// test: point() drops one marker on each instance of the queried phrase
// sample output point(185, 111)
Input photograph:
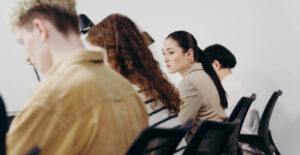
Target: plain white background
point(263, 35)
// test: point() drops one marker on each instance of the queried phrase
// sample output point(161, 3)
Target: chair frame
point(4, 127)
point(263, 140)
point(205, 126)
point(150, 133)
point(239, 112)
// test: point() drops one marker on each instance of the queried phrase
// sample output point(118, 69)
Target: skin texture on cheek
point(177, 62)
point(24, 38)
point(175, 58)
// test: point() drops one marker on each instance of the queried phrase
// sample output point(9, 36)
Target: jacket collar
point(84, 55)
point(194, 67)
point(76, 57)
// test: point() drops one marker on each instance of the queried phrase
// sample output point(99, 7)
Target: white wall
point(264, 36)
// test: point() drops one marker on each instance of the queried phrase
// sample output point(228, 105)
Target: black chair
point(85, 23)
point(3, 126)
point(158, 141)
point(263, 140)
point(210, 138)
point(148, 39)
point(239, 113)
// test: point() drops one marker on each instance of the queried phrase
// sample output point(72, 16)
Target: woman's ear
point(190, 54)
point(217, 65)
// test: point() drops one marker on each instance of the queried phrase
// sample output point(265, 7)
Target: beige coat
point(82, 107)
point(200, 97)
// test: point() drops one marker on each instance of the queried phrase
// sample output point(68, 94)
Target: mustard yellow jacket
point(82, 107)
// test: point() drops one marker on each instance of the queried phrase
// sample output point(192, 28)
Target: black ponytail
point(187, 41)
point(204, 60)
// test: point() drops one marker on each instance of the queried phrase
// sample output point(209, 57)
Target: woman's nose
point(166, 59)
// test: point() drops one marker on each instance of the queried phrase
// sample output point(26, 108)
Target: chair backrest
point(210, 138)
point(265, 118)
point(239, 112)
point(85, 23)
point(3, 126)
point(158, 141)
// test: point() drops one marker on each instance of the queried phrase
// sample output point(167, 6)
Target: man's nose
point(27, 59)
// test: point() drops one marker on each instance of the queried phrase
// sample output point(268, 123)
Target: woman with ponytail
point(200, 89)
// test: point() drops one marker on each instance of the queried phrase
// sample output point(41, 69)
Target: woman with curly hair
point(127, 52)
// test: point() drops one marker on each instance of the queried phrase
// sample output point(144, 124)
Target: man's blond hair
point(61, 13)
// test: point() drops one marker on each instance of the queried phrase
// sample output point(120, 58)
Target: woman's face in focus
point(175, 58)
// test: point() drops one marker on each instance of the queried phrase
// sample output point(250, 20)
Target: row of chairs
point(211, 138)
point(263, 140)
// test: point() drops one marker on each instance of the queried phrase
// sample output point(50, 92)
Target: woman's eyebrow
point(170, 48)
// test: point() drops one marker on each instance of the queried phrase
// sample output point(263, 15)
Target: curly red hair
point(128, 54)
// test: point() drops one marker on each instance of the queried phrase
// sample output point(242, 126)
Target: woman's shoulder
point(185, 82)
point(198, 81)
point(196, 77)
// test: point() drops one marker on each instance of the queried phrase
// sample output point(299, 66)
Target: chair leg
point(236, 150)
point(240, 150)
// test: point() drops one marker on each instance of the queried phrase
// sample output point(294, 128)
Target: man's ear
point(217, 65)
point(41, 28)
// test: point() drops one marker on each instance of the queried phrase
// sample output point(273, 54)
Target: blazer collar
point(194, 67)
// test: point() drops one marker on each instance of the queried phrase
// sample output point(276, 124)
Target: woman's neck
point(186, 68)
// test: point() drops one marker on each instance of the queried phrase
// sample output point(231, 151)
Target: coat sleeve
point(34, 126)
point(191, 101)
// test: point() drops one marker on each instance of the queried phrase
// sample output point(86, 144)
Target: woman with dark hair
point(127, 52)
point(223, 61)
point(200, 89)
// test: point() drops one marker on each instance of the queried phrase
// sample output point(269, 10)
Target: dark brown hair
point(128, 54)
point(222, 54)
point(63, 21)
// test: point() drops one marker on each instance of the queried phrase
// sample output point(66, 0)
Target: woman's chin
point(171, 72)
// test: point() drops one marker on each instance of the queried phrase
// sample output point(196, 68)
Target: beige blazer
point(200, 97)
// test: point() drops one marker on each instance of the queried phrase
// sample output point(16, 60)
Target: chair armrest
point(256, 141)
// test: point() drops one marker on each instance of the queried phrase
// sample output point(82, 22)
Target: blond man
point(82, 106)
